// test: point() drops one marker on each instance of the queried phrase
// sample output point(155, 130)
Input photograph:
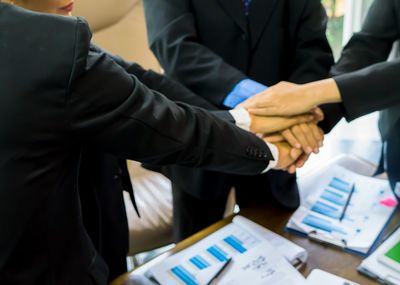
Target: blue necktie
point(246, 4)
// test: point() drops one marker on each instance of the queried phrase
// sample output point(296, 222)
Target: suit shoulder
point(46, 28)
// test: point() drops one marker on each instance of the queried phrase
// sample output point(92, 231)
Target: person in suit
point(59, 97)
point(364, 80)
point(227, 51)
point(103, 178)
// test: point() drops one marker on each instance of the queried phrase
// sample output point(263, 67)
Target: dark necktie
point(246, 4)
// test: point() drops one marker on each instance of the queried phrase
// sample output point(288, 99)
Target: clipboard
point(342, 243)
point(343, 209)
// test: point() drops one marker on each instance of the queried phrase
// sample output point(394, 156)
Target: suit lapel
point(260, 13)
point(235, 9)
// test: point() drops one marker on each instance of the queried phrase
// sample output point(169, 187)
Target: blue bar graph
point(199, 262)
point(218, 253)
point(235, 243)
point(340, 185)
point(334, 198)
point(326, 210)
point(322, 224)
point(184, 275)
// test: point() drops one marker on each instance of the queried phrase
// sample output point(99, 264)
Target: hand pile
point(287, 116)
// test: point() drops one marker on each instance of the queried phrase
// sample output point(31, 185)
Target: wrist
point(322, 92)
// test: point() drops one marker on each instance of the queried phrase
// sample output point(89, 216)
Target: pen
point(219, 272)
point(348, 202)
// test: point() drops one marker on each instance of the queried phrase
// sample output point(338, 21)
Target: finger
point(303, 119)
point(302, 139)
point(290, 138)
point(275, 138)
point(317, 133)
point(302, 160)
point(323, 136)
point(291, 169)
point(266, 111)
point(309, 135)
point(318, 114)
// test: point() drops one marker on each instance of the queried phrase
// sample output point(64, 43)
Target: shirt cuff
point(275, 155)
point(243, 91)
point(242, 120)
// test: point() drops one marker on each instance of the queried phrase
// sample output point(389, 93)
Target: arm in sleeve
point(370, 89)
point(374, 42)
point(111, 110)
point(173, 38)
point(369, 46)
point(172, 89)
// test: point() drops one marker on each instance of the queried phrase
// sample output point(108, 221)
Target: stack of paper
point(345, 209)
point(254, 259)
point(318, 277)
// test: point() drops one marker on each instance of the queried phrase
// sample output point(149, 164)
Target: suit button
point(244, 37)
point(116, 177)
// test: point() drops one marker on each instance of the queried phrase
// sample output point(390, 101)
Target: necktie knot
point(246, 4)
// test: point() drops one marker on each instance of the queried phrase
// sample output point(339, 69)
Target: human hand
point(307, 136)
point(265, 124)
point(288, 99)
point(287, 155)
point(298, 137)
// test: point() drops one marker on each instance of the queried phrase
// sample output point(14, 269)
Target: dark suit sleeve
point(374, 42)
point(370, 46)
point(172, 89)
point(174, 41)
point(112, 111)
point(370, 89)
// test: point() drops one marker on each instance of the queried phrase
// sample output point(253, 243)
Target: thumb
point(303, 119)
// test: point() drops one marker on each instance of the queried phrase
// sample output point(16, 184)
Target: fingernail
point(298, 145)
point(321, 143)
point(316, 150)
point(309, 150)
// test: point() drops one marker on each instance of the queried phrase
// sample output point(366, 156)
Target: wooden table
point(321, 256)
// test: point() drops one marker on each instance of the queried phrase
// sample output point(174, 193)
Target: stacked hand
point(287, 116)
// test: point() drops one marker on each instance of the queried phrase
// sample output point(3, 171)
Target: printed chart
point(346, 208)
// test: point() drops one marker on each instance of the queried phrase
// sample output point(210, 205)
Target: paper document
point(318, 277)
point(345, 209)
point(254, 261)
point(374, 268)
point(291, 251)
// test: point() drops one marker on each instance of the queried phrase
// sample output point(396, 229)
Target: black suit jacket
point(209, 46)
point(375, 87)
point(103, 178)
point(57, 97)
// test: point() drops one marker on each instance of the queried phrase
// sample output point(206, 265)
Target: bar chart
point(212, 256)
point(332, 204)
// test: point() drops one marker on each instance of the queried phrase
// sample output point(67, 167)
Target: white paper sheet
point(369, 208)
point(254, 261)
point(291, 251)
